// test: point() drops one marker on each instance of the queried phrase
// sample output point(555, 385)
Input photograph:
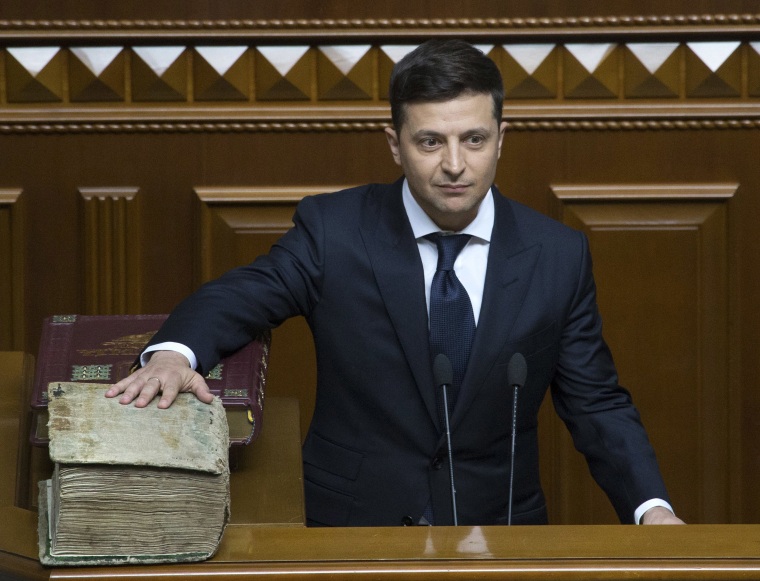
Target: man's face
point(448, 151)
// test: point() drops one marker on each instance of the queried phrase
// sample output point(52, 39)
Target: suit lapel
point(395, 260)
point(510, 268)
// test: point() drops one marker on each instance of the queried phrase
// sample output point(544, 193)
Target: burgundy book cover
point(103, 348)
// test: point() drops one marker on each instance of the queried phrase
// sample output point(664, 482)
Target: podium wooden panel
point(266, 539)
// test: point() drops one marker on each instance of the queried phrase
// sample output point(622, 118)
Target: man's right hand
point(167, 373)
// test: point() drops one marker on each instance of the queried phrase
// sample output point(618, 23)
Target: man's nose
point(453, 162)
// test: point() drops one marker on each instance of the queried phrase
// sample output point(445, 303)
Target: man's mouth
point(454, 188)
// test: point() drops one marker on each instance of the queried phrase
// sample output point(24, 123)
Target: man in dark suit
point(359, 265)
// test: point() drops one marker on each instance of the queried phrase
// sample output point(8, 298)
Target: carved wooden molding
point(388, 24)
point(183, 127)
point(111, 245)
point(334, 84)
point(370, 126)
point(261, 194)
point(247, 215)
point(12, 269)
point(644, 192)
point(103, 194)
point(633, 125)
point(335, 71)
point(9, 196)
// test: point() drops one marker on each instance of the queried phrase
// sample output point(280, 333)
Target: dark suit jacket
point(375, 452)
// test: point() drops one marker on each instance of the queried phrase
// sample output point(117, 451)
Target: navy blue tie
point(452, 323)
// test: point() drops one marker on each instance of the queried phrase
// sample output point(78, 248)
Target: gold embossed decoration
point(91, 372)
point(216, 372)
point(64, 318)
point(130, 345)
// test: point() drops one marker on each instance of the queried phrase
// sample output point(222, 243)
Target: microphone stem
point(448, 445)
point(512, 455)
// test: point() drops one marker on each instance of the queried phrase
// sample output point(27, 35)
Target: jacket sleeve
point(600, 414)
point(225, 314)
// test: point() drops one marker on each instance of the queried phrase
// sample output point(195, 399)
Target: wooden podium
point(267, 540)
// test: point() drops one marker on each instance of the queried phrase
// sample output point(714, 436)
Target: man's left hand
point(659, 515)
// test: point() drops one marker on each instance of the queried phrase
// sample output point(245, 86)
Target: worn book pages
point(133, 485)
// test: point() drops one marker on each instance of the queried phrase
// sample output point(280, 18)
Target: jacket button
point(437, 463)
point(407, 521)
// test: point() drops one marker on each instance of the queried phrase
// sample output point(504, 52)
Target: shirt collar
point(422, 224)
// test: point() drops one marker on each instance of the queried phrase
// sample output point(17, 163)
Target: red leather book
point(103, 349)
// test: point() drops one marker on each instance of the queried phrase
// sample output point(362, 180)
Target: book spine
point(55, 344)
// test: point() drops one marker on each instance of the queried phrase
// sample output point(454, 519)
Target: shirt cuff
point(169, 346)
point(650, 504)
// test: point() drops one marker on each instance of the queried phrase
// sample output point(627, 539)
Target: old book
point(132, 485)
point(103, 349)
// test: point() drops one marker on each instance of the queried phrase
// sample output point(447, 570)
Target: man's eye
point(475, 139)
point(429, 142)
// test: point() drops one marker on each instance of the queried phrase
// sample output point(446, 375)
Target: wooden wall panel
point(202, 124)
point(534, 163)
point(12, 269)
point(112, 261)
point(661, 256)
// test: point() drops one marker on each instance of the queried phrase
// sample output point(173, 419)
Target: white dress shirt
point(471, 263)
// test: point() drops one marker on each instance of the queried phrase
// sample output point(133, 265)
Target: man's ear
point(502, 130)
point(393, 143)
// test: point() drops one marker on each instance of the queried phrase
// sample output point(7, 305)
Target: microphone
point(444, 375)
point(517, 372)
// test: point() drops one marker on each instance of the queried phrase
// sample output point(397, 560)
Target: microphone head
point(443, 373)
point(517, 370)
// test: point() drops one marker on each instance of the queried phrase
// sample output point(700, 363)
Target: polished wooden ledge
point(266, 539)
point(552, 552)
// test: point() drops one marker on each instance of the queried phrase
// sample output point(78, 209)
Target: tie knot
point(449, 247)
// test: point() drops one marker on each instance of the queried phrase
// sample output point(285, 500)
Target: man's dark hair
point(441, 70)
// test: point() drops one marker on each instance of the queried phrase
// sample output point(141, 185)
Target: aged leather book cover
point(117, 468)
point(103, 348)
